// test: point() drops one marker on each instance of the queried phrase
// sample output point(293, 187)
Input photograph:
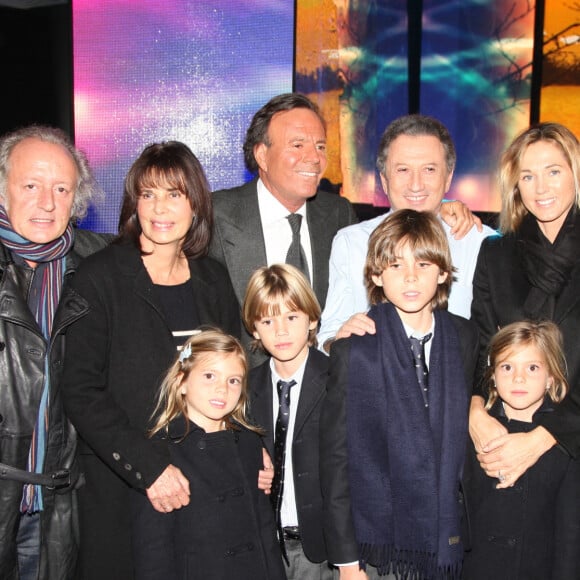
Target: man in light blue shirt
point(416, 161)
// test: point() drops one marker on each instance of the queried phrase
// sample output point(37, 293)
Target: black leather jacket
point(22, 369)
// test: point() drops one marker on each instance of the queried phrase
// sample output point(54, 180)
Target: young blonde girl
point(227, 530)
point(531, 529)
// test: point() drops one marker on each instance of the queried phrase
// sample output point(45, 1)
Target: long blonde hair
point(513, 209)
point(171, 402)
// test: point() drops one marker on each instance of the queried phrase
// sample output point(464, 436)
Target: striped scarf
point(53, 254)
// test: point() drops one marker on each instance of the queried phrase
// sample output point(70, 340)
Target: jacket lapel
point(569, 297)
point(321, 235)
point(261, 407)
point(243, 239)
point(312, 390)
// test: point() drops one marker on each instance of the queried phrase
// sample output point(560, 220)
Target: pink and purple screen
point(193, 71)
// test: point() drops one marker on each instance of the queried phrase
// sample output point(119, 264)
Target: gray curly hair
point(86, 189)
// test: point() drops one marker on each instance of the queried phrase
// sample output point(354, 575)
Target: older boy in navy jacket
point(394, 422)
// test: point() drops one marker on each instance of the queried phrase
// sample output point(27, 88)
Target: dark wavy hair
point(172, 164)
point(257, 132)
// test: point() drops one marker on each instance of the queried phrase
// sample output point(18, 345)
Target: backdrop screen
point(174, 69)
point(476, 59)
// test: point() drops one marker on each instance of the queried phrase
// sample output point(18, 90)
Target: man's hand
point(352, 572)
point(508, 457)
point(170, 491)
point(459, 218)
point(266, 475)
point(359, 324)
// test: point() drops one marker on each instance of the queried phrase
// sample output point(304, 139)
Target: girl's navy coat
point(227, 530)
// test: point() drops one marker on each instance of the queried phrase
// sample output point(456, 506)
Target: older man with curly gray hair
point(45, 185)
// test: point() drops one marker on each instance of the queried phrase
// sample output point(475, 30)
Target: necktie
point(418, 349)
point(295, 255)
point(280, 453)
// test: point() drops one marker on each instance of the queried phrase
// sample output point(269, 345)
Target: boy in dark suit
point(394, 422)
point(286, 393)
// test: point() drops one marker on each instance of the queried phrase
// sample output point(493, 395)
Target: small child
point(227, 530)
point(394, 422)
point(281, 312)
point(530, 530)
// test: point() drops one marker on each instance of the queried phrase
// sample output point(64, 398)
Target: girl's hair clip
point(185, 353)
point(488, 361)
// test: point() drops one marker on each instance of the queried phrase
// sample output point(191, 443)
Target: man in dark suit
point(286, 146)
point(290, 337)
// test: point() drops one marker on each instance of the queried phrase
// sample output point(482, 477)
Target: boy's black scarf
point(405, 460)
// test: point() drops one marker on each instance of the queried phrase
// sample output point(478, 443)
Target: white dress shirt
point(346, 289)
point(277, 230)
point(288, 510)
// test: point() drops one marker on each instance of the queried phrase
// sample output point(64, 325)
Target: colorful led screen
point(174, 69)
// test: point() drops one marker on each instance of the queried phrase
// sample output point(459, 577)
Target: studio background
point(121, 74)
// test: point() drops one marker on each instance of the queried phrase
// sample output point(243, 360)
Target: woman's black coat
point(116, 357)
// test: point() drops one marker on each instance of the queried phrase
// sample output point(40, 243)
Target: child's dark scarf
point(54, 255)
point(405, 461)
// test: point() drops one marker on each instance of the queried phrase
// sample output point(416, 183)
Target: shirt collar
point(271, 210)
point(411, 332)
point(297, 376)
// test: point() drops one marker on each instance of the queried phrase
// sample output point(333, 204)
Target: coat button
point(116, 456)
point(128, 466)
point(201, 444)
point(138, 475)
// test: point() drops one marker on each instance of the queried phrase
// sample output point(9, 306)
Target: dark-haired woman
point(146, 295)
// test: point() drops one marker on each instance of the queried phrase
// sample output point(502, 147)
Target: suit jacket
point(238, 239)
point(305, 454)
point(338, 522)
point(500, 288)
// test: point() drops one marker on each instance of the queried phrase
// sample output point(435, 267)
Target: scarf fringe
point(407, 564)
